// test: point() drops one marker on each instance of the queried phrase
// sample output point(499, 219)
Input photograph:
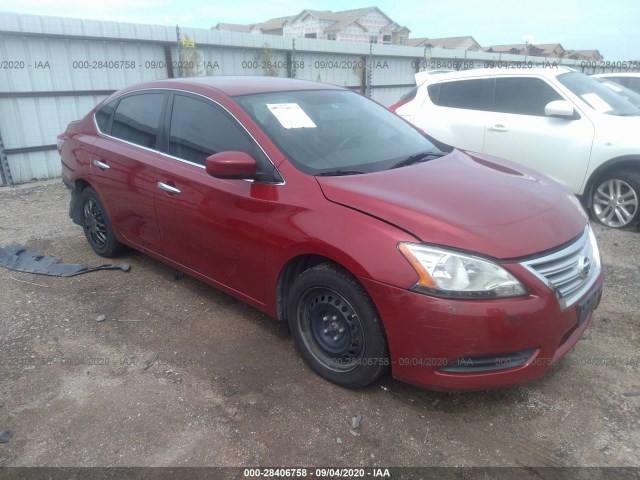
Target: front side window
point(467, 94)
point(198, 129)
point(137, 118)
point(326, 131)
point(524, 96)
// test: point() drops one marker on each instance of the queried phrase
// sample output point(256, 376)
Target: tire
point(336, 327)
point(96, 225)
point(615, 200)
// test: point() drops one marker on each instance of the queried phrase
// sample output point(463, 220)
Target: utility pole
point(179, 42)
point(4, 164)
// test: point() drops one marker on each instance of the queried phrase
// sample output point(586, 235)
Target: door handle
point(498, 127)
point(101, 165)
point(168, 188)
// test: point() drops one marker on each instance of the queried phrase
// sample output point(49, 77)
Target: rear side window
point(524, 96)
point(103, 116)
point(467, 94)
point(137, 118)
point(199, 129)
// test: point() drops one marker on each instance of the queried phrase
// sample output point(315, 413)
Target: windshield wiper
point(419, 157)
point(337, 173)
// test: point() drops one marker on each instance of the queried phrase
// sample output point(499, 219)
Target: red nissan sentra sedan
point(380, 247)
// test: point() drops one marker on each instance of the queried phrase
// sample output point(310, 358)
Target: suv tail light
point(406, 98)
point(60, 142)
point(395, 106)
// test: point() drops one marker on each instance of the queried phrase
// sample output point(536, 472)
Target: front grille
point(571, 271)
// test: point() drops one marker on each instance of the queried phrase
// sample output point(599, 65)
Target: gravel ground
point(179, 374)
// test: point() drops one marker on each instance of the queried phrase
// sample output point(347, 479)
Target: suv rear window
point(467, 94)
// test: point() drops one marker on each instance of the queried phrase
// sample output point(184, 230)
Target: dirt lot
point(179, 374)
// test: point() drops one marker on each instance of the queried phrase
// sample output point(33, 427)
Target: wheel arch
point(75, 209)
point(631, 162)
point(292, 269)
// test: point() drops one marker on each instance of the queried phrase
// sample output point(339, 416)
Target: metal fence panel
point(59, 68)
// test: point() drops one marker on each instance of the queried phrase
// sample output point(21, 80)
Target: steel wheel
point(331, 329)
point(336, 326)
point(615, 203)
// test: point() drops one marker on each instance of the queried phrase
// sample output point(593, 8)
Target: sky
point(610, 27)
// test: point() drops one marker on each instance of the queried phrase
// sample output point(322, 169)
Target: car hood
point(473, 202)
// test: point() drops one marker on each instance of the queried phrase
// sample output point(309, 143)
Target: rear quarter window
point(103, 117)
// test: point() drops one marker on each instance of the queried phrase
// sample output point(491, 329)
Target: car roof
point(499, 72)
point(617, 74)
point(234, 85)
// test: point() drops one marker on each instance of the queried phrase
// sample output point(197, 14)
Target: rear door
point(123, 164)
point(213, 226)
point(454, 112)
point(519, 130)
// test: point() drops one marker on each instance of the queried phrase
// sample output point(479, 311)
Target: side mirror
point(561, 109)
point(231, 165)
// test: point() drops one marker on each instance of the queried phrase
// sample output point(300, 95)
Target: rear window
point(467, 94)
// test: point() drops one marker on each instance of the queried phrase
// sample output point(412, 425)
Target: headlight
point(451, 274)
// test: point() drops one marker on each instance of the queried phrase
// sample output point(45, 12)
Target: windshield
point(596, 95)
point(326, 131)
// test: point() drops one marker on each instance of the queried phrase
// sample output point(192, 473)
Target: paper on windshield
point(596, 102)
point(290, 115)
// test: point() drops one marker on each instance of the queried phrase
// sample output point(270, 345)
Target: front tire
point(96, 225)
point(615, 201)
point(336, 327)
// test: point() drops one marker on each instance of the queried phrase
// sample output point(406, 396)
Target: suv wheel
point(616, 199)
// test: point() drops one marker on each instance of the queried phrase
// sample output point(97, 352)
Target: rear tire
point(615, 200)
point(336, 327)
point(96, 225)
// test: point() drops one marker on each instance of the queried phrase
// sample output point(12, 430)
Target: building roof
point(506, 48)
point(584, 54)
point(447, 42)
point(537, 49)
point(548, 48)
point(344, 18)
point(233, 27)
point(275, 23)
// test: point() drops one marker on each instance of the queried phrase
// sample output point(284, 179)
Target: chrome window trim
point(164, 89)
point(586, 240)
